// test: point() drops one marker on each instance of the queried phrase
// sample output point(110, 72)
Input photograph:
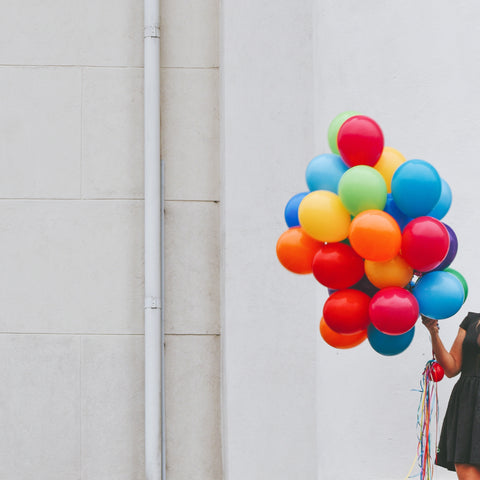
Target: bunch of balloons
point(369, 229)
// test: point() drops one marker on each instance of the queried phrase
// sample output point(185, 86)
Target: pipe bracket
point(153, 303)
point(151, 31)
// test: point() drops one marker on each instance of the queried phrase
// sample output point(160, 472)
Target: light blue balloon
point(389, 345)
point(445, 201)
point(291, 209)
point(324, 172)
point(416, 188)
point(439, 294)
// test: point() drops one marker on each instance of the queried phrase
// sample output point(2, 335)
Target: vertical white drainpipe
point(154, 290)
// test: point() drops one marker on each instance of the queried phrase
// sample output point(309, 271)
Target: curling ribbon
point(427, 425)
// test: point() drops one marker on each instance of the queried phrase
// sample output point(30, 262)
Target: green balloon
point(334, 127)
point(462, 280)
point(362, 188)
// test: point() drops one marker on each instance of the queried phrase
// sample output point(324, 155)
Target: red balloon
point(337, 266)
point(360, 141)
point(436, 372)
point(346, 311)
point(425, 243)
point(340, 340)
point(393, 310)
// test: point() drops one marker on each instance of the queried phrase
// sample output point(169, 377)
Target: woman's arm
point(451, 361)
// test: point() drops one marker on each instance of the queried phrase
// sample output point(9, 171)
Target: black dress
point(460, 437)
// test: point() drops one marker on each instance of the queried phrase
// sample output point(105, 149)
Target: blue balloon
point(324, 172)
point(416, 188)
point(445, 201)
point(291, 209)
point(392, 209)
point(439, 294)
point(389, 345)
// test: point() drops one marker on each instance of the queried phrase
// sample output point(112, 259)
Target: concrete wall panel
point(78, 32)
point(192, 267)
point(112, 407)
point(190, 134)
point(40, 413)
point(40, 125)
point(193, 417)
point(59, 260)
point(112, 120)
point(189, 33)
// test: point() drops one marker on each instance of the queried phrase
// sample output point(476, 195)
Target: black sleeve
point(467, 321)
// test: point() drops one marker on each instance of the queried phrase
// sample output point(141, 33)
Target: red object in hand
point(436, 372)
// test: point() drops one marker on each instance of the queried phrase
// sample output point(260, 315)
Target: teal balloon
point(389, 345)
point(324, 172)
point(439, 294)
point(334, 127)
point(416, 188)
point(444, 202)
point(362, 188)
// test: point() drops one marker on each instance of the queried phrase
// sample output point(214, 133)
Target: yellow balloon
point(389, 161)
point(323, 216)
point(393, 273)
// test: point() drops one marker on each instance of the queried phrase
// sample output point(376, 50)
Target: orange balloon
point(341, 340)
point(375, 235)
point(389, 161)
point(295, 250)
point(392, 273)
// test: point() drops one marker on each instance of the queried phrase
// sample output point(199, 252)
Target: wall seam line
point(74, 334)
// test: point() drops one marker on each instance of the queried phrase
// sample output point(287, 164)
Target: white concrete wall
point(294, 407)
point(190, 149)
point(270, 324)
point(71, 221)
point(71, 230)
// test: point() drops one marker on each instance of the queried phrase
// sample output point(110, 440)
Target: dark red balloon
point(346, 311)
point(393, 310)
point(337, 266)
point(425, 243)
point(360, 141)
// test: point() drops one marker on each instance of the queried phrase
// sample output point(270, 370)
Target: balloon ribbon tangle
point(427, 423)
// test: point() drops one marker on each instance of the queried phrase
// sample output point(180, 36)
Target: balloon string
point(428, 417)
point(411, 468)
point(427, 420)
